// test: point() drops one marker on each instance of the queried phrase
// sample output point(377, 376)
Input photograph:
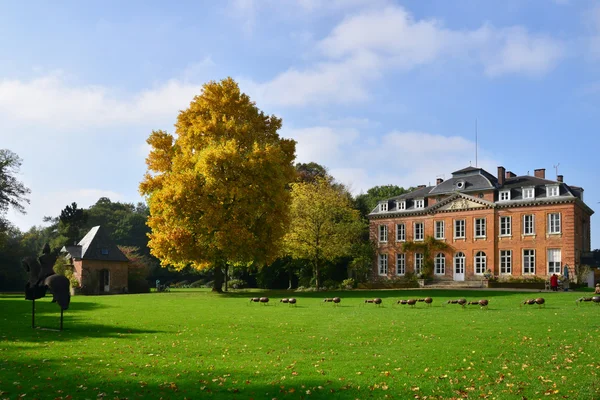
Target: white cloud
point(323, 145)
point(372, 41)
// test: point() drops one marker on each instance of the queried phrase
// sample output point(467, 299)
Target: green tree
point(70, 226)
point(218, 192)
point(309, 172)
point(428, 247)
point(324, 224)
point(366, 202)
point(12, 192)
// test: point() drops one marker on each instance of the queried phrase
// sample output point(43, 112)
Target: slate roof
point(95, 245)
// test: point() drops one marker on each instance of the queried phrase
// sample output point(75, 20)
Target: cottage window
point(420, 203)
point(418, 231)
point(480, 263)
point(400, 264)
point(505, 226)
point(383, 206)
point(554, 223)
point(479, 227)
point(400, 232)
point(440, 264)
point(506, 262)
point(459, 229)
point(528, 224)
point(440, 230)
point(401, 205)
point(552, 191)
point(383, 233)
point(529, 261)
point(383, 264)
point(504, 195)
point(418, 263)
point(554, 261)
point(528, 193)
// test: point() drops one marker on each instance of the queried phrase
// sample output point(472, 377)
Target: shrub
point(138, 285)
point(237, 284)
point(348, 283)
point(330, 284)
point(209, 284)
point(198, 284)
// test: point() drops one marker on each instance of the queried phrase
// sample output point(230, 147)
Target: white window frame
point(383, 206)
point(528, 193)
point(440, 230)
point(504, 195)
point(505, 225)
point(400, 263)
point(440, 264)
point(383, 233)
point(383, 264)
point(419, 203)
point(528, 262)
point(478, 229)
point(554, 223)
point(480, 263)
point(463, 229)
point(505, 262)
point(421, 237)
point(529, 228)
point(400, 233)
point(401, 205)
point(552, 191)
point(418, 263)
point(554, 261)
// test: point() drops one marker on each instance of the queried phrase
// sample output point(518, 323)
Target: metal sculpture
point(43, 278)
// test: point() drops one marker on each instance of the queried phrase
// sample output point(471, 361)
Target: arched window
point(480, 263)
point(440, 264)
point(459, 263)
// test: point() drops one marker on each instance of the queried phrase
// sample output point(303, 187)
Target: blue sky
point(379, 91)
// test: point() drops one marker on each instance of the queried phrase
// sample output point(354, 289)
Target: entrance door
point(459, 266)
point(104, 281)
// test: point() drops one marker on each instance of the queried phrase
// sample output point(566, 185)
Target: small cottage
point(98, 264)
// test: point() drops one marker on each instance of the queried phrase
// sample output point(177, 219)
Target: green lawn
point(194, 344)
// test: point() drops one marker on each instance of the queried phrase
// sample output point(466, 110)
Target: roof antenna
point(556, 169)
point(475, 142)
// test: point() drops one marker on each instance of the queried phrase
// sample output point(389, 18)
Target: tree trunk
point(218, 282)
point(290, 278)
point(226, 275)
point(317, 278)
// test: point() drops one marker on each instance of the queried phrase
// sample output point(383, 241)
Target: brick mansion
point(511, 225)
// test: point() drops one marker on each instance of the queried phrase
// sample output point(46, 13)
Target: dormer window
point(552, 191)
point(401, 205)
point(504, 195)
point(528, 193)
point(460, 185)
point(420, 203)
point(383, 206)
point(104, 251)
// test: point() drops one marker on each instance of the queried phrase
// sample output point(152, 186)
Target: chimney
point(501, 174)
point(540, 173)
point(510, 175)
point(559, 178)
point(438, 181)
point(421, 186)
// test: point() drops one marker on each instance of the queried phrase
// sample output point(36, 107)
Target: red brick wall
point(87, 273)
point(570, 240)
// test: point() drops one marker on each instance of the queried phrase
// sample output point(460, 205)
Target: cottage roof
point(96, 245)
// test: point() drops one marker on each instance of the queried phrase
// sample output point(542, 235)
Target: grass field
point(193, 344)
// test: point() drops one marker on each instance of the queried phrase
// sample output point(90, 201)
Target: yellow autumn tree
point(324, 224)
point(217, 190)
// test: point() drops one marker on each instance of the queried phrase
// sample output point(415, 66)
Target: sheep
point(462, 302)
point(403, 302)
point(334, 300)
point(376, 301)
point(481, 303)
point(539, 301)
point(427, 300)
point(292, 302)
point(595, 299)
point(254, 300)
point(264, 300)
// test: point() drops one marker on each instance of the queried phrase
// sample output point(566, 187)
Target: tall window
point(459, 228)
point(440, 264)
point(418, 263)
point(383, 233)
point(554, 223)
point(505, 226)
point(400, 264)
point(419, 203)
point(480, 263)
point(506, 261)
point(479, 227)
point(528, 193)
point(400, 233)
point(554, 261)
point(418, 231)
point(439, 230)
point(528, 225)
point(383, 264)
point(383, 206)
point(401, 205)
point(459, 263)
point(529, 261)
point(505, 195)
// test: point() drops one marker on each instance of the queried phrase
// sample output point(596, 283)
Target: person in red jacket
point(554, 282)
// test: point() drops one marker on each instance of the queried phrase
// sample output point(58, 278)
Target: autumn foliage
point(217, 189)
